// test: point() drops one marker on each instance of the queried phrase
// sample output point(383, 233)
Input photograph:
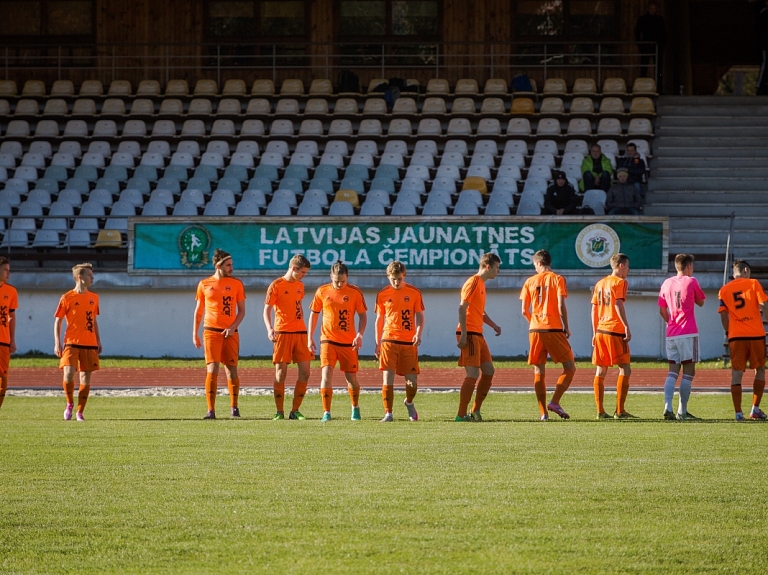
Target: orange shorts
point(747, 349)
point(610, 350)
point(220, 349)
point(5, 358)
point(81, 358)
point(346, 355)
point(291, 347)
point(552, 343)
point(476, 351)
point(400, 357)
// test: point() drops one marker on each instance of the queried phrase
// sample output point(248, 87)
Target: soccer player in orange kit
point(285, 296)
point(82, 344)
point(337, 302)
point(9, 302)
point(399, 325)
point(543, 297)
point(221, 298)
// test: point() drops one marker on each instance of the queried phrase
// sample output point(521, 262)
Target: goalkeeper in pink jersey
point(676, 300)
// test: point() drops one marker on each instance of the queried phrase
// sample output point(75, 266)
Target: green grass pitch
point(146, 486)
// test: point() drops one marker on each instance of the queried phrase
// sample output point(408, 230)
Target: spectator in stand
point(635, 166)
point(651, 37)
point(561, 197)
point(623, 198)
point(596, 170)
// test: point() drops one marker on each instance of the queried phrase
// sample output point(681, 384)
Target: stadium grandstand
point(365, 113)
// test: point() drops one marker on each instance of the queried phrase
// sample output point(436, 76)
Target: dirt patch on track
point(448, 378)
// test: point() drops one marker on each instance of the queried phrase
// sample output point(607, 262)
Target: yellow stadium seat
point(148, 88)
point(522, 106)
point(33, 89)
point(321, 87)
point(62, 88)
point(206, 88)
point(347, 196)
point(475, 183)
point(177, 88)
point(438, 86)
point(120, 88)
point(292, 87)
point(644, 86)
point(466, 86)
point(109, 239)
point(642, 105)
point(263, 88)
point(8, 88)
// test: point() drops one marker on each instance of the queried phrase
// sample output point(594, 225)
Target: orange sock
point(387, 397)
point(69, 392)
point(234, 391)
point(354, 395)
point(563, 383)
point(326, 394)
point(211, 387)
point(82, 396)
point(599, 386)
point(279, 391)
point(622, 388)
point(410, 391)
point(467, 389)
point(758, 387)
point(3, 388)
point(483, 387)
point(298, 395)
point(541, 392)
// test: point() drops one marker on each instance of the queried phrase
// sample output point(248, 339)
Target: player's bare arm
point(595, 321)
point(419, 315)
point(488, 321)
point(196, 321)
point(664, 313)
point(623, 317)
point(563, 314)
point(313, 317)
point(238, 319)
point(526, 309)
point(12, 330)
point(362, 323)
point(377, 333)
point(463, 324)
point(57, 337)
point(267, 315)
point(724, 319)
point(96, 331)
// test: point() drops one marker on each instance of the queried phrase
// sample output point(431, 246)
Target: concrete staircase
point(710, 160)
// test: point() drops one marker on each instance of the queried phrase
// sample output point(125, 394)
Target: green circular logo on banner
point(596, 244)
point(194, 243)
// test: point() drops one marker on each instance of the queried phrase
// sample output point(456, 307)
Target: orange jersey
point(399, 308)
point(539, 294)
point(742, 298)
point(607, 292)
point(287, 298)
point(474, 293)
point(338, 307)
point(80, 311)
point(9, 302)
point(220, 297)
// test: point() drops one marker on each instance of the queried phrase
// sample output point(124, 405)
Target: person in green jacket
point(596, 170)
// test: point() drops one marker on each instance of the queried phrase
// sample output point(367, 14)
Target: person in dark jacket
point(561, 198)
point(761, 27)
point(651, 37)
point(635, 166)
point(623, 198)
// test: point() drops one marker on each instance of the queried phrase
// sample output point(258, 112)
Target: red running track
point(443, 378)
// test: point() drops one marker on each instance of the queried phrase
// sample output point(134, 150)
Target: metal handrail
point(212, 59)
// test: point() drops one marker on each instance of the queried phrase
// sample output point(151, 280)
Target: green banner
point(169, 245)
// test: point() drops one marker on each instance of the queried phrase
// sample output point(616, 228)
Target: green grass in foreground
point(145, 486)
point(425, 362)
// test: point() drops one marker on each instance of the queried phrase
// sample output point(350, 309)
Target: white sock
point(669, 390)
point(685, 393)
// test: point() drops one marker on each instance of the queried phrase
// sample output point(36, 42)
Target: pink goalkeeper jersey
point(679, 294)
